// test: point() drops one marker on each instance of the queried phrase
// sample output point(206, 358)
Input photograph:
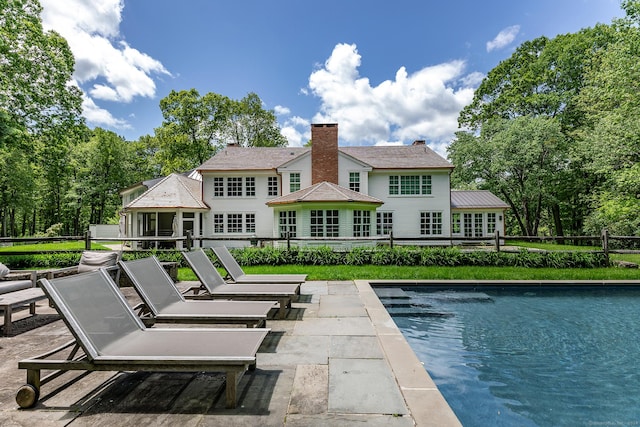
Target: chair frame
point(237, 275)
point(81, 354)
point(283, 293)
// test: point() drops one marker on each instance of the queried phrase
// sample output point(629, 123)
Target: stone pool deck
point(337, 360)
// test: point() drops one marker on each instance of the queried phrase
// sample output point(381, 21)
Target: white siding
point(406, 209)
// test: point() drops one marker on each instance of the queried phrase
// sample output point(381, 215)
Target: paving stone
point(310, 390)
point(363, 386)
point(341, 306)
point(354, 347)
point(335, 326)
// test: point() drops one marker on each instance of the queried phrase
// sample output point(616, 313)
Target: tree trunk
point(555, 211)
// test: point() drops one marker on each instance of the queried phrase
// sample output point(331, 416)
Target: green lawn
point(350, 272)
point(635, 258)
point(55, 246)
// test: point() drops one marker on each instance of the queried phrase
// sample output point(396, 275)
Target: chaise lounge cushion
point(7, 286)
point(4, 270)
point(91, 261)
point(15, 280)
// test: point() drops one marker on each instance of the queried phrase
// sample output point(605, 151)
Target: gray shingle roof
point(173, 191)
point(324, 192)
point(380, 157)
point(468, 199)
point(254, 158)
point(398, 157)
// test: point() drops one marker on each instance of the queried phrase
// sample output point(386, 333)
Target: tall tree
point(518, 159)
point(37, 100)
point(610, 144)
point(189, 133)
point(195, 127)
point(250, 125)
point(35, 71)
point(542, 79)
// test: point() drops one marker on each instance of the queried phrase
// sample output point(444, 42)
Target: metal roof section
point(324, 192)
point(476, 199)
point(173, 191)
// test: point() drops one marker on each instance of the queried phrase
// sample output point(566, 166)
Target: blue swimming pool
point(527, 356)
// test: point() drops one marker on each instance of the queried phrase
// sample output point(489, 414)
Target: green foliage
point(419, 256)
point(196, 126)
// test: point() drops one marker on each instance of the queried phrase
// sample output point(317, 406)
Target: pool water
point(527, 357)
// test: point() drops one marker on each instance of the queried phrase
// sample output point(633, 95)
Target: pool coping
point(423, 398)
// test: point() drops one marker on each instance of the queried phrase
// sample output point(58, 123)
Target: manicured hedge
point(419, 256)
point(324, 255)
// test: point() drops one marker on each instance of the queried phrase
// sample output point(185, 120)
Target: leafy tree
point(40, 116)
point(188, 135)
point(520, 159)
point(542, 79)
point(35, 68)
point(610, 144)
point(195, 127)
point(249, 125)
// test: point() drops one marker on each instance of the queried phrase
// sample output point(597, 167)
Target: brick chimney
point(324, 153)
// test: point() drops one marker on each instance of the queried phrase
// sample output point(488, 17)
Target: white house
point(323, 192)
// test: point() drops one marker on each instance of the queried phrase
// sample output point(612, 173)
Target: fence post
point(391, 239)
point(605, 243)
point(497, 240)
point(189, 242)
point(288, 241)
point(87, 240)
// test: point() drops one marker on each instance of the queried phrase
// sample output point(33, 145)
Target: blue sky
point(386, 72)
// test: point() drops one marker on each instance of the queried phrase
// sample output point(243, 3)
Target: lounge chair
point(110, 337)
point(237, 275)
point(214, 286)
point(164, 303)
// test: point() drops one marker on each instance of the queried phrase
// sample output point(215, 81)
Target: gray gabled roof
point(254, 158)
point(173, 191)
point(398, 157)
point(378, 157)
point(475, 199)
point(324, 192)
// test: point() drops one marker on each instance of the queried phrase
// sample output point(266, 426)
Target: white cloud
point(107, 68)
point(99, 116)
point(420, 105)
point(297, 131)
point(281, 111)
point(504, 38)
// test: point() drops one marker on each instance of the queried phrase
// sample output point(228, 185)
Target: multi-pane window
point(218, 223)
point(468, 225)
point(250, 186)
point(456, 226)
point(354, 181)
point(272, 186)
point(491, 223)
point(218, 187)
point(361, 223)
point(324, 223)
point(394, 184)
point(425, 186)
point(477, 225)
point(234, 187)
point(294, 181)
point(410, 185)
point(234, 223)
point(250, 223)
point(287, 224)
point(430, 223)
point(384, 223)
